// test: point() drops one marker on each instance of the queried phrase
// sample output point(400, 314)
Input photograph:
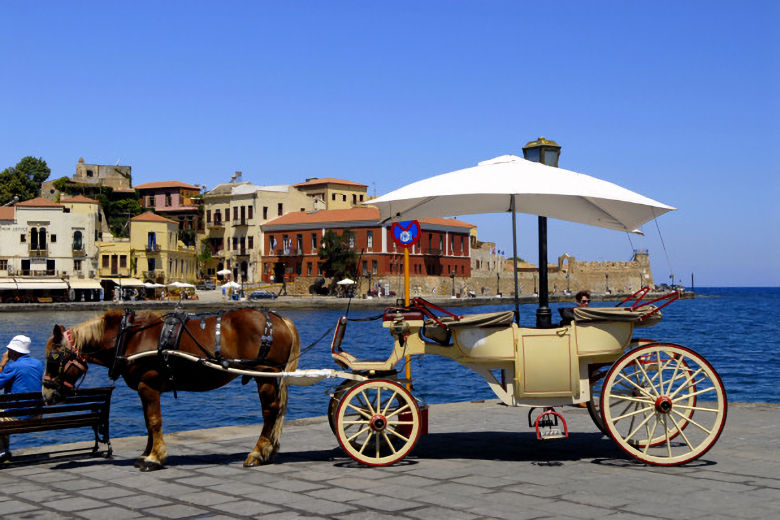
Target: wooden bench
point(45, 299)
point(25, 413)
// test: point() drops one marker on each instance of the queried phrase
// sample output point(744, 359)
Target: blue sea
point(730, 327)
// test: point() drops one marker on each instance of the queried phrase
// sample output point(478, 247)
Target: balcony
point(38, 252)
point(154, 275)
point(241, 222)
point(79, 252)
point(241, 252)
point(432, 251)
point(38, 272)
point(152, 248)
point(217, 224)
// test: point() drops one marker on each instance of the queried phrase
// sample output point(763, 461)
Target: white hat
point(20, 344)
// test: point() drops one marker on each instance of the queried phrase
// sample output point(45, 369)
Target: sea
point(730, 327)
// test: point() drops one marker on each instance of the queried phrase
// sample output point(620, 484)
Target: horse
point(156, 352)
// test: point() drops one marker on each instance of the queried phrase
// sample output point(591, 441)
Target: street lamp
point(547, 152)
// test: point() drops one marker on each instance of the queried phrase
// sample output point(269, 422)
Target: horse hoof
point(151, 466)
point(139, 462)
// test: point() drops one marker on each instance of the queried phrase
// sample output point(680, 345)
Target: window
point(370, 239)
point(123, 261)
point(208, 216)
point(332, 196)
point(77, 241)
point(3, 265)
point(365, 267)
point(461, 245)
point(251, 242)
point(150, 201)
point(227, 214)
point(352, 241)
point(53, 238)
point(90, 173)
point(354, 198)
point(217, 217)
point(235, 243)
point(344, 198)
point(308, 269)
point(313, 242)
point(235, 212)
point(374, 266)
point(280, 209)
point(299, 243)
point(106, 261)
point(265, 212)
point(22, 238)
point(167, 199)
point(76, 265)
point(361, 198)
point(249, 213)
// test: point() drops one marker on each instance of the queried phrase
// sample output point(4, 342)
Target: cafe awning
point(7, 283)
point(51, 285)
point(84, 284)
point(126, 282)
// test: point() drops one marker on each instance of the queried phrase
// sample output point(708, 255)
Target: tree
point(339, 259)
point(204, 256)
point(23, 180)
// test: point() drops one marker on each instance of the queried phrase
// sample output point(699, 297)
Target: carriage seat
point(442, 334)
point(641, 317)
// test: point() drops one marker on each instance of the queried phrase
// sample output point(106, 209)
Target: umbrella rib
point(607, 213)
point(398, 214)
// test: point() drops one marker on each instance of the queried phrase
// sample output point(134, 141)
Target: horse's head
point(64, 365)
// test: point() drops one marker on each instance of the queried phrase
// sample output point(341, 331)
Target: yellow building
point(334, 193)
point(152, 253)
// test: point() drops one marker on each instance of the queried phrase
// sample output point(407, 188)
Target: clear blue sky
point(675, 100)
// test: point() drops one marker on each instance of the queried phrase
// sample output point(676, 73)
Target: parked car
point(261, 295)
point(205, 285)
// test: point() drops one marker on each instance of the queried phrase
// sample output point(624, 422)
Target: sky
point(677, 101)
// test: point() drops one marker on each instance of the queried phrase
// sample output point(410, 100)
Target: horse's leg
point(155, 454)
point(139, 462)
point(273, 399)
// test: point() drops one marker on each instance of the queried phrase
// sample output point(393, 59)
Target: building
point(47, 244)
point(175, 200)
point(118, 178)
point(334, 193)
point(294, 241)
point(153, 253)
point(234, 213)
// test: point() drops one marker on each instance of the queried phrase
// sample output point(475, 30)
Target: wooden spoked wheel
point(377, 422)
point(333, 403)
point(650, 397)
point(596, 377)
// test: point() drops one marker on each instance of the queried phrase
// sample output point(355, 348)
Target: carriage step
point(547, 425)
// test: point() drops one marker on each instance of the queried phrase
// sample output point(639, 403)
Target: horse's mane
point(92, 331)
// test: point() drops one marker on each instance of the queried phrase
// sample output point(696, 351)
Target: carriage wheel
point(377, 422)
point(649, 399)
point(594, 405)
point(333, 404)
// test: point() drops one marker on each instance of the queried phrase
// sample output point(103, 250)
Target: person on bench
point(19, 373)
point(567, 313)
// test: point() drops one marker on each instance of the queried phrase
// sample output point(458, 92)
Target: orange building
point(294, 240)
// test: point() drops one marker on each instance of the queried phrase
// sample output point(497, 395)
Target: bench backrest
point(20, 413)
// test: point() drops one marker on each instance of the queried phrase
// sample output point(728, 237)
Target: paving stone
point(440, 513)
point(320, 507)
point(103, 493)
point(294, 485)
point(385, 504)
point(206, 498)
point(73, 504)
point(176, 511)
point(246, 508)
point(15, 506)
point(140, 501)
point(38, 515)
point(110, 513)
point(200, 481)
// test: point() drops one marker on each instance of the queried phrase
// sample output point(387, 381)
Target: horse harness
point(174, 325)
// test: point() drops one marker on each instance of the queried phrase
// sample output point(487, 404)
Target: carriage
point(661, 403)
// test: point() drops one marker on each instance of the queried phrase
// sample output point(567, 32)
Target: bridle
point(68, 363)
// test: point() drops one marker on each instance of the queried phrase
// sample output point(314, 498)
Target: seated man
point(567, 313)
point(19, 373)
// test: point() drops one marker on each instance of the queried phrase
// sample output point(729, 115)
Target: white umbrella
point(231, 285)
point(512, 184)
point(150, 285)
point(346, 281)
point(223, 272)
point(181, 285)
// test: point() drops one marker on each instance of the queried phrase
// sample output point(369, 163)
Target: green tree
point(23, 180)
point(204, 256)
point(339, 258)
point(118, 213)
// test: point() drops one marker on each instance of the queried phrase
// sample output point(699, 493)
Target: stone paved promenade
point(479, 461)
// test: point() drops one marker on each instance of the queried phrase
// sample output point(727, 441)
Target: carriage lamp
point(545, 151)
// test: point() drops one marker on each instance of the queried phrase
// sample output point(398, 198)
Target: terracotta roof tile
point(39, 202)
point(151, 217)
point(328, 180)
point(7, 213)
point(80, 198)
point(166, 184)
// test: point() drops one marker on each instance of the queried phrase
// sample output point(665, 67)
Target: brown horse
point(139, 348)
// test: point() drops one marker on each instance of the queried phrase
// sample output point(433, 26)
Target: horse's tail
point(292, 364)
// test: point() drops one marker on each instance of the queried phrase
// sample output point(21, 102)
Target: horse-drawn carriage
point(642, 393)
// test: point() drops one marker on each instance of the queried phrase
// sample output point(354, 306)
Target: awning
point(84, 284)
point(126, 282)
point(52, 285)
point(7, 283)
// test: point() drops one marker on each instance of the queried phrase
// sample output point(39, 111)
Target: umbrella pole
point(543, 313)
point(514, 258)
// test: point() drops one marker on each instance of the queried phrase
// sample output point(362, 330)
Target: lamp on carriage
point(547, 152)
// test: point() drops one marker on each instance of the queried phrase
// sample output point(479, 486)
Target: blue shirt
point(22, 375)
